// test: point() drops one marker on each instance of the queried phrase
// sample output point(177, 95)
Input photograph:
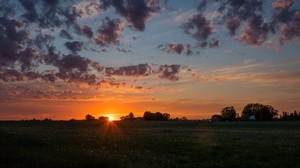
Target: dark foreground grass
point(149, 144)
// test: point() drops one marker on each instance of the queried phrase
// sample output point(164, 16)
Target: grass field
point(149, 144)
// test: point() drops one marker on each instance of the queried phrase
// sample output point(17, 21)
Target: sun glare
point(110, 119)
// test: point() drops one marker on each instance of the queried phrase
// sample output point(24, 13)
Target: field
point(149, 144)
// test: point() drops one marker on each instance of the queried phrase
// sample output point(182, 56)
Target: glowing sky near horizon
point(66, 59)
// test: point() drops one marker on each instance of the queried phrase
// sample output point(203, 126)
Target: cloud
point(74, 46)
point(135, 12)
point(199, 27)
point(124, 50)
point(28, 42)
point(29, 5)
point(28, 59)
point(214, 43)
point(256, 32)
point(290, 30)
point(232, 25)
point(172, 48)
point(41, 41)
point(88, 9)
point(64, 34)
point(168, 72)
point(176, 48)
point(282, 4)
point(8, 51)
point(134, 70)
point(246, 19)
point(87, 31)
point(72, 62)
point(109, 32)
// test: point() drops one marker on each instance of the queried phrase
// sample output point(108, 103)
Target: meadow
point(149, 144)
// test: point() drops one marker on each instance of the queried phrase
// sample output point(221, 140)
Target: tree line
point(101, 118)
point(252, 111)
point(255, 111)
point(148, 115)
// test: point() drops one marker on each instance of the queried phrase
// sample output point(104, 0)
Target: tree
point(166, 116)
point(260, 111)
point(148, 115)
point(159, 116)
point(89, 117)
point(228, 113)
point(103, 118)
point(289, 116)
point(130, 116)
point(183, 118)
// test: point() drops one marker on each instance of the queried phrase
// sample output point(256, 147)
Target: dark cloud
point(31, 13)
point(202, 5)
point(74, 46)
point(282, 4)
point(87, 31)
point(8, 51)
point(109, 32)
point(257, 31)
point(41, 41)
point(176, 48)
point(51, 2)
point(11, 75)
point(288, 18)
point(199, 27)
point(241, 9)
point(27, 41)
point(29, 59)
point(189, 50)
point(246, 20)
point(15, 75)
point(6, 10)
point(232, 25)
point(73, 62)
point(214, 43)
point(64, 34)
point(72, 68)
point(9, 29)
point(136, 12)
point(291, 30)
point(172, 48)
point(49, 77)
point(133, 70)
point(97, 66)
point(168, 72)
point(124, 50)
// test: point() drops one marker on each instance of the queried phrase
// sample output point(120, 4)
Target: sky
point(65, 59)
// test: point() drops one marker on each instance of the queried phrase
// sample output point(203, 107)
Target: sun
point(110, 118)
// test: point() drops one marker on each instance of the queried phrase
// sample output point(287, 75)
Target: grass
point(149, 144)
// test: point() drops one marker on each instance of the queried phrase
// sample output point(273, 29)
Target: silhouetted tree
point(183, 119)
point(47, 119)
point(159, 116)
point(148, 115)
point(228, 113)
point(245, 117)
point(166, 116)
point(290, 116)
point(130, 116)
point(261, 112)
point(103, 118)
point(89, 117)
